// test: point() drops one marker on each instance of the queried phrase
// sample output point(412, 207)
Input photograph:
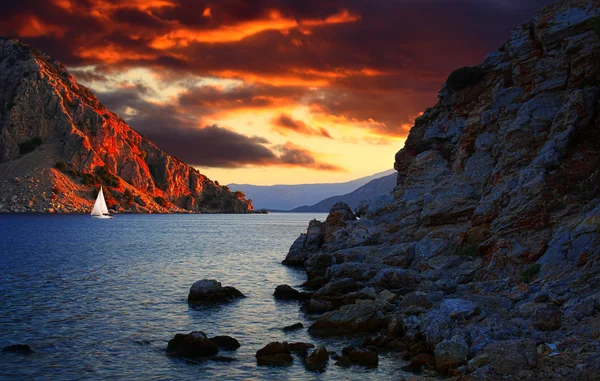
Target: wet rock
point(301, 348)
point(337, 287)
point(194, 344)
point(344, 362)
point(209, 291)
point(418, 362)
point(225, 342)
point(317, 360)
point(293, 327)
point(315, 306)
point(548, 318)
point(285, 292)
point(450, 354)
point(348, 319)
point(18, 348)
point(274, 353)
point(363, 358)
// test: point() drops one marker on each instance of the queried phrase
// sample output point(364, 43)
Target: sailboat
point(100, 210)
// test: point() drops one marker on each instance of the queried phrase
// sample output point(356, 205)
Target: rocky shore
point(483, 264)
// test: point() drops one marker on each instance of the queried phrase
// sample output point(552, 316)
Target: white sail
point(100, 208)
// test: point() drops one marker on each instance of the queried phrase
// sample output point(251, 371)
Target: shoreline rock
point(210, 291)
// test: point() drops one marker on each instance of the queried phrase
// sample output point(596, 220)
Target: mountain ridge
point(56, 132)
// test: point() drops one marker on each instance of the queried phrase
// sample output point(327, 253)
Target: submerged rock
point(209, 291)
point(293, 327)
point(226, 342)
point(17, 348)
point(285, 292)
point(274, 353)
point(194, 344)
point(317, 359)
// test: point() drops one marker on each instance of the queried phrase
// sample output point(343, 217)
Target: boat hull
point(103, 217)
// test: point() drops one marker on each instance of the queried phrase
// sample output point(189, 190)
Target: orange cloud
point(34, 27)
point(285, 123)
point(183, 36)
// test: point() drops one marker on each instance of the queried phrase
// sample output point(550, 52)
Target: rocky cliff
point(58, 144)
point(490, 242)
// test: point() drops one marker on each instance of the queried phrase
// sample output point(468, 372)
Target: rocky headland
point(58, 144)
point(484, 262)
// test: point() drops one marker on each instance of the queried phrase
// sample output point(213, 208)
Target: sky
point(266, 91)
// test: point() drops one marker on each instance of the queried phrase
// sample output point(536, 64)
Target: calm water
point(99, 299)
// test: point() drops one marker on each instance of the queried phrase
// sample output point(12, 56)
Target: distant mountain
point(368, 191)
point(287, 197)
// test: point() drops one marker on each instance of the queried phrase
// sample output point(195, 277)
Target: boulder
point(548, 318)
point(395, 278)
point(301, 348)
point(450, 354)
point(293, 327)
point(317, 306)
point(417, 362)
point(317, 360)
point(225, 342)
point(209, 291)
point(274, 353)
point(344, 362)
point(459, 309)
point(348, 319)
point(364, 358)
point(194, 344)
point(338, 287)
point(17, 348)
point(285, 292)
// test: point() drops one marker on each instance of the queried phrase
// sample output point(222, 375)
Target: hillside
point(485, 262)
point(58, 144)
point(372, 189)
point(286, 197)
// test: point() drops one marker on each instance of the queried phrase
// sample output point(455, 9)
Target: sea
point(99, 299)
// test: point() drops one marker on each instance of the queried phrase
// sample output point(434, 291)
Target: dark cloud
point(176, 130)
point(285, 123)
point(379, 62)
point(297, 156)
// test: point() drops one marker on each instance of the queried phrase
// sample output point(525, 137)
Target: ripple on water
point(100, 299)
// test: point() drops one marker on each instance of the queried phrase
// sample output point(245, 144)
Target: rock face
point(209, 291)
point(490, 241)
point(55, 132)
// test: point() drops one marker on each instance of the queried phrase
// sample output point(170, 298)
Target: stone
point(285, 292)
point(293, 327)
point(194, 344)
point(209, 291)
point(315, 306)
point(301, 348)
point(348, 319)
point(274, 353)
point(318, 359)
point(364, 358)
point(225, 342)
point(459, 309)
point(418, 362)
point(548, 318)
point(450, 354)
point(344, 362)
point(18, 348)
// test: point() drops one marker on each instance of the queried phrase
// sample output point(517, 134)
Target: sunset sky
point(268, 92)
